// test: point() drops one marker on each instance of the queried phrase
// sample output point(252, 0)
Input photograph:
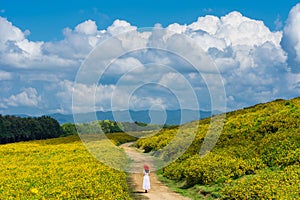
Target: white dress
point(146, 181)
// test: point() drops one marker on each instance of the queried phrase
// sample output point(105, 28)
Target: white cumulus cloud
point(88, 27)
point(255, 63)
point(291, 39)
point(28, 97)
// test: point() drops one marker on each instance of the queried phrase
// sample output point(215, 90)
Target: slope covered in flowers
point(257, 155)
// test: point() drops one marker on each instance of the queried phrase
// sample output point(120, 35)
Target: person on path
point(146, 179)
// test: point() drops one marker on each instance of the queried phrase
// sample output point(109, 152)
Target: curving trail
point(158, 191)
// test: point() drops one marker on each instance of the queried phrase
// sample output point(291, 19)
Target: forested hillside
point(15, 129)
point(257, 155)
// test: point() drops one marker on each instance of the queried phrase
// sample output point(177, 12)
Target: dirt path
point(158, 191)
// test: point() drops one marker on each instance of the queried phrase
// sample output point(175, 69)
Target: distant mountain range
point(171, 117)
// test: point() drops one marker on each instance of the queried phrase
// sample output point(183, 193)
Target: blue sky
point(254, 46)
point(46, 19)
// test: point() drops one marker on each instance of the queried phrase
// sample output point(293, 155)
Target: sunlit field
point(57, 169)
point(257, 156)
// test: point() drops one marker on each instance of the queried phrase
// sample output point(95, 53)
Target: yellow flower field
point(257, 155)
point(59, 168)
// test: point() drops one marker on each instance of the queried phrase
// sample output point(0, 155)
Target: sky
point(46, 19)
point(54, 55)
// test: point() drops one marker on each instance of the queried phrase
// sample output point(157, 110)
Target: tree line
point(16, 129)
point(108, 126)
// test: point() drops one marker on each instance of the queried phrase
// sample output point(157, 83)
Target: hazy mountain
point(158, 117)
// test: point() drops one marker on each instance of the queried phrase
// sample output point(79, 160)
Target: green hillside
point(257, 155)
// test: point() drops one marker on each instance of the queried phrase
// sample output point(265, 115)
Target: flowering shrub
point(280, 184)
point(254, 142)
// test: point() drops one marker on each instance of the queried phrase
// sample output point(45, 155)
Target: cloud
point(88, 27)
point(5, 75)
point(278, 23)
point(9, 32)
point(253, 62)
point(249, 56)
point(2, 105)
point(18, 52)
point(120, 26)
point(291, 39)
point(86, 98)
point(207, 10)
point(239, 30)
point(294, 84)
point(13, 41)
point(208, 24)
point(78, 43)
point(28, 97)
point(123, 65)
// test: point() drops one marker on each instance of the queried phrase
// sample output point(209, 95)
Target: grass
point(197, 192)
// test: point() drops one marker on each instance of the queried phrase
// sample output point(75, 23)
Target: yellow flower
point(34, 190)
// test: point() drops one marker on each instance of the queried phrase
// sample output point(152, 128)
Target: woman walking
point(146, 180)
